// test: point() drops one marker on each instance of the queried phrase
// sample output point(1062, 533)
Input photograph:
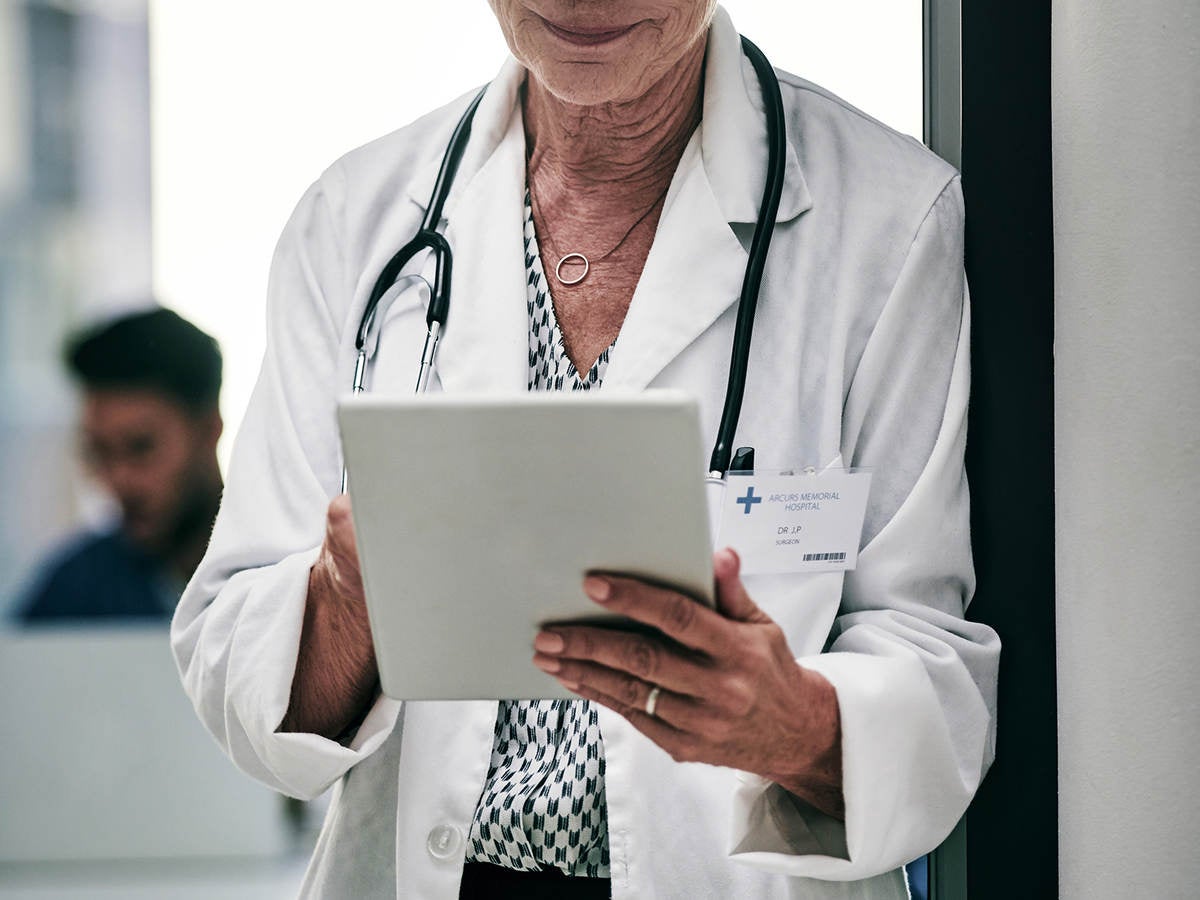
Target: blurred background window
point(75, 241)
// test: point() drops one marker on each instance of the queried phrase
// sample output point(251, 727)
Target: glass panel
point(74, 240)
point(869, 52)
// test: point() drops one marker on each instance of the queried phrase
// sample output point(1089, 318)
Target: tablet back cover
point(478, 516)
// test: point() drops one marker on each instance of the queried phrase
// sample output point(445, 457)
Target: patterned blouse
point(543, 802)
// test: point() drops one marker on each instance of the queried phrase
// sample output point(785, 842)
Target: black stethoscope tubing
point(429, 238)
point(760, 243)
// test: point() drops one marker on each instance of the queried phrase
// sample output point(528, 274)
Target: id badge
point(785, 522)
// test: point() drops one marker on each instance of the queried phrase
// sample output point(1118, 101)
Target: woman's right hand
point(338, 566)
point(336, 674)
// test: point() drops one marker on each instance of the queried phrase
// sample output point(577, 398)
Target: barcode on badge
point(824, 557)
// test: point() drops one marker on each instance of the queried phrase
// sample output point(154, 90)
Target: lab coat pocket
point(803, 605)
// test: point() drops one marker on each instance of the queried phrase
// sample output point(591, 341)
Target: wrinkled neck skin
point(594, 169)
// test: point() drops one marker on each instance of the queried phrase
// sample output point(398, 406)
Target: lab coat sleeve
point(236, 631)
point(915, 681)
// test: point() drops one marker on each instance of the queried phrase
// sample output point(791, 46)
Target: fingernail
point(597, 588)
point(569, 685)
point(549, 642)
point(547, 664)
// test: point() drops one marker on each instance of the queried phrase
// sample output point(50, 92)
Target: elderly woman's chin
point(594, 85)
point(604, 52)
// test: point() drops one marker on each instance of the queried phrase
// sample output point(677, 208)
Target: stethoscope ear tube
point(427, 237)
point(759, 244)
point(449, 166)
point(439, 296)
point(385, 280)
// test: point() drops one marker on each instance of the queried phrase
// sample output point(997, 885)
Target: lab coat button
point(444, 841)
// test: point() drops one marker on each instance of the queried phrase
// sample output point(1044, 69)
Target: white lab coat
point(860, 352)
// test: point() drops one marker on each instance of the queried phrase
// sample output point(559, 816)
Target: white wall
point(1126, 107)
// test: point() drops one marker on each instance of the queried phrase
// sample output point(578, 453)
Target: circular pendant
point(569, 256)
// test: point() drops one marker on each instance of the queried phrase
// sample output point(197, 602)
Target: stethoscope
point(429, 238)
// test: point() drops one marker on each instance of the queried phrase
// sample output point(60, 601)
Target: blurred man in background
point(150, 425)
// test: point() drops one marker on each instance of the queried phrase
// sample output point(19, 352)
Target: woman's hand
point(336, 673)
point(337, 568)
point(730, 692)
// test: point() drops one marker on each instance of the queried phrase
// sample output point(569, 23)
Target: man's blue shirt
point(99, 576)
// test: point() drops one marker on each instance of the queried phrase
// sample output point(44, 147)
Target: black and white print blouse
point(543, 801)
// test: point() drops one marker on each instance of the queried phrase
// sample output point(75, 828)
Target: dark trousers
point(483, 881)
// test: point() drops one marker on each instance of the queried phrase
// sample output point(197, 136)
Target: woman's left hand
point(729, 691)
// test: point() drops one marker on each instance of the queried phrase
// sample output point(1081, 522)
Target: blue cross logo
point(749, 500)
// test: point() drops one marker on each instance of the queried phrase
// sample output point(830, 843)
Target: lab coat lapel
point(695, 268)
point(484, 347)
point(692, 275)
point(733, 133)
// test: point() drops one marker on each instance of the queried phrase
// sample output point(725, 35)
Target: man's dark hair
point(155, 350)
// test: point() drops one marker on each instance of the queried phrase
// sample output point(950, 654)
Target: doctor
point(808, 738)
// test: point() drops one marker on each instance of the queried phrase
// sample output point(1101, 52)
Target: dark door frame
point(1012, 827)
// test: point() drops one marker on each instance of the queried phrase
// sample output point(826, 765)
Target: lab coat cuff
point(896, 804)
point(302, 765)
point(311, 763)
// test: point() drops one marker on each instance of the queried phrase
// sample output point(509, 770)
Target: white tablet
point(477, 517)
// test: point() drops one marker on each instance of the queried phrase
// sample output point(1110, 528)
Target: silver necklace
point(575, 255)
